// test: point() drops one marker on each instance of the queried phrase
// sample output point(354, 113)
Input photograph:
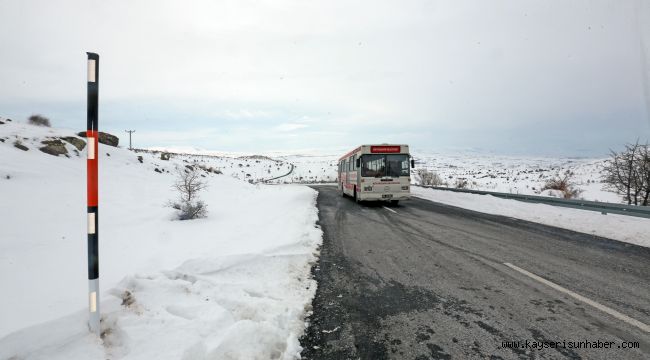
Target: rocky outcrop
point(108, 139)
point(54, 147)
point(104, 138)
point(76, 142)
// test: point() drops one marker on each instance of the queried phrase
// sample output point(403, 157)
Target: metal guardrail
point(602, 207)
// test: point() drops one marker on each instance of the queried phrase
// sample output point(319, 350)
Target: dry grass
point(564, 184)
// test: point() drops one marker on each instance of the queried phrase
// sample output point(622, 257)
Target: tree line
point(628, 173)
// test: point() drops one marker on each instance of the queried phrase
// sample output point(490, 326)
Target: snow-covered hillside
point(310, 169)
point(234, 285)
point(281, 167)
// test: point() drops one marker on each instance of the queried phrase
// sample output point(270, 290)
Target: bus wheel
point(394, 202)
point(355, 194)
point(342, 190)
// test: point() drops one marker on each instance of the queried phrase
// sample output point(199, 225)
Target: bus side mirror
point(358, 163)
point(412, 163)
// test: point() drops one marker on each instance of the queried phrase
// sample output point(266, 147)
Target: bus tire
point(342, 190)
point(356, 198)
point(394, 202)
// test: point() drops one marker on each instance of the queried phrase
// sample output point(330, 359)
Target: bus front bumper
point(372, 196)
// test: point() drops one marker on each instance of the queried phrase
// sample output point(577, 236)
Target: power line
point(130, 132)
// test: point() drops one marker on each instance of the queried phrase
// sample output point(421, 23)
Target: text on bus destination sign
point(385, 149)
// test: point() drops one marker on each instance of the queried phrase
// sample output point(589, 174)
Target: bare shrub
point(188, 185)
point(39, 120)
point(428, 178)
point(628, 173)
point(461, 184)
point(564, 184)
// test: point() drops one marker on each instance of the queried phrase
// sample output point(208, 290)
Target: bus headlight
point(367, 188)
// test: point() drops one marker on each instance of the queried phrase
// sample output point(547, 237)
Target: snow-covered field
point(308, 167)
point(628, 229)
point(235, 285)
point(500, 173)
point(516, 174)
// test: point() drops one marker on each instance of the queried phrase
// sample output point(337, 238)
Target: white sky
point(539, 77)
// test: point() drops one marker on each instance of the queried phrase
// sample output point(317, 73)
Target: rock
point(108, 139)
point(140, 159)
point(2, 140)
point(54, 147)
point(157, 170)
point(9, 120)
point(165, 156)
point(2, 122)
point(20, 146)
point(76, 142)
point(104, 138)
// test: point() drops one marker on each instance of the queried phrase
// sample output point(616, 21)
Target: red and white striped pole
point(93, 216)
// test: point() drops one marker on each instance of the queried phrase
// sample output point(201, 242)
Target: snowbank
point(232, 286)
point(628, 229)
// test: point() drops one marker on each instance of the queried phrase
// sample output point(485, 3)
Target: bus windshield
point(376, 165)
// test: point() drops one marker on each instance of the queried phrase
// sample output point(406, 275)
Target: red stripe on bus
point(350, 153)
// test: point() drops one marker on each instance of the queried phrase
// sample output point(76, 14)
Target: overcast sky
point(565, 78)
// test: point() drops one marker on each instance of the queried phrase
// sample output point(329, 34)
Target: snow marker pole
point(93, 216)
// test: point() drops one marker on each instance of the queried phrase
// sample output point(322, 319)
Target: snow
point(628, 229)
point(489, 172)
point(234, 285)
point(517, 174)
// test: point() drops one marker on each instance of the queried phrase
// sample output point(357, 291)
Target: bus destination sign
point(385, 149)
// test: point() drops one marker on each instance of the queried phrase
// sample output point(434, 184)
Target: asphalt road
point(429, 281)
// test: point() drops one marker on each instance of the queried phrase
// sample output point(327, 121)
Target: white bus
point(376, 172)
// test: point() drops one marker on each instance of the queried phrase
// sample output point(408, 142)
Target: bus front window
point(373, 165)
point(385, 165)
point(398, 165)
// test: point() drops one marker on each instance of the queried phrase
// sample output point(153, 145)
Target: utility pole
point(130, 132)
point(92, 191)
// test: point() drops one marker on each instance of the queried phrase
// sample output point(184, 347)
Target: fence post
point(92, 189)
